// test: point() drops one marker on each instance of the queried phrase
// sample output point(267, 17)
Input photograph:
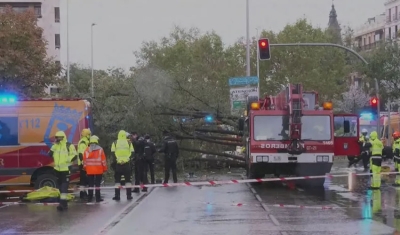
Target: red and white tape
point(212, 183)
point(46, 203)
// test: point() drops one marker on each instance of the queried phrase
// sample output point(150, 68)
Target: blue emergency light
point(209, 118)
point(367, 116)
point(7, 99)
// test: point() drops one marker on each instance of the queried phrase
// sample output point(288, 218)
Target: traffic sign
point(243, 81)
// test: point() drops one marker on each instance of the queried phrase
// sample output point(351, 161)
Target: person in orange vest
point(95, 164)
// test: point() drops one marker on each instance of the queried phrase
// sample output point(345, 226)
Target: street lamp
point(93, 24)
point(68, 78)
point(247, 38)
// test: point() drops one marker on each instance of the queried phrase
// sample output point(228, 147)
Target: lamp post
point(91, 35)
point(68, 72)
point(248, 38)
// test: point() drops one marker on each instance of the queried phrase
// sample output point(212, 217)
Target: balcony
point(371, 26)
point(370, 46)
point(389, 2)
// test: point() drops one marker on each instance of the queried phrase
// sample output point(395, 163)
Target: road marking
point(122, 213)
point(265, 207)
point(258, 198)
point(274, 220)
point(253, 190)
point(3, 206)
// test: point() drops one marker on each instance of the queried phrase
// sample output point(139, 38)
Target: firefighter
point(139, 162)
point(171, 153)
point(122, 153)
point(375, 160)
point(82, 145)
point(63, 154)
point(396, 151)
point(95, 164)
point(148, 161)
point(365, 146)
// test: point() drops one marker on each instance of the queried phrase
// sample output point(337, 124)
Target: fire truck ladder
point(295, 100)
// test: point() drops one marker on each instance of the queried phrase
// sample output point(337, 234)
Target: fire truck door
point(346, 135)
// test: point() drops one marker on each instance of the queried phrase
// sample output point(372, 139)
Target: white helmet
point(364, 131)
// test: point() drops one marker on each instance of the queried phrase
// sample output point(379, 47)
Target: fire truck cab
point(289, 134)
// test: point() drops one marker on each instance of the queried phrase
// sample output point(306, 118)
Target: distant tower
point(334, 27)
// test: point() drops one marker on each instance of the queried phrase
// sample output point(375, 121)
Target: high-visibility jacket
point(94, 160)
point(377, 145)
point(122, 149)
point(62, 154)
point(82, 145)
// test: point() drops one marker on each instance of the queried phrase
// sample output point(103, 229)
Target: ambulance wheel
point(46, 180)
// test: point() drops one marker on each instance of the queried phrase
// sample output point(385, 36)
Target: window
point(38, 11)
point(57, 14)
point(58, 63)
point(57, 41)
point(369, 128)
point(8, 131)
point(277, 128)
point(339, 126)
point(316, 128)
point(23, 7)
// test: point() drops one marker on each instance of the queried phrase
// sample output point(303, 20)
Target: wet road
point(270, 208)
point(80, 218)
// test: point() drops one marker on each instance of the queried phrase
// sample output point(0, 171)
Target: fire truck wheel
point(46, 180)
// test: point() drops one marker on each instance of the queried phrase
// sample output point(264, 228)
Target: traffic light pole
point(346, 49)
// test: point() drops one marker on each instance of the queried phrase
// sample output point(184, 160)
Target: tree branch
point(181, 137)
point(213, 153)
point(217, 131)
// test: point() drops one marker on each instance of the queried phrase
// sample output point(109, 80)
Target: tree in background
point(183, 78)
point(24, 67)
point(352, 100)
point(384, 66)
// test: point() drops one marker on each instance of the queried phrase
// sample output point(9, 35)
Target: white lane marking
point(274, 220)
point(253, 190)
point(258, 198)
point(266, 208)
point(3, 206)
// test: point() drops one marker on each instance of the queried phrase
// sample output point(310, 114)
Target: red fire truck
point(27, 129)
point(289, 134)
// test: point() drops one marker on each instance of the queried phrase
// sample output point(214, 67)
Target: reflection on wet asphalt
point(227, 209)
point(79, 219)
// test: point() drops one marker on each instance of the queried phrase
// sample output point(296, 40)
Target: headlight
point(319, 158)
point(262, 158)
point(326, 159)
point(265, 158)
point(322, 158)
point(259, 158)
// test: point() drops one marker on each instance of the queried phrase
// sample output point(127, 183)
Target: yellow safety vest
point(123, 150)
point(61, 156)
point(377, 147)
point(82, 145)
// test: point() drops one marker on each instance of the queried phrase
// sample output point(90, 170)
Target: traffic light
point(374, 102)
point(263, 49)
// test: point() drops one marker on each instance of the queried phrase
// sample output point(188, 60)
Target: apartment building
point(48, 14)
point(392, 25)
point(368, 35)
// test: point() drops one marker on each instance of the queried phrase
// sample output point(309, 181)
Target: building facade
point(392, 25)
point(48, 14)
point(368, 35)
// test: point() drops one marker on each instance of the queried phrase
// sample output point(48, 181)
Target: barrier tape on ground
point(212, 183)
point(47, 203)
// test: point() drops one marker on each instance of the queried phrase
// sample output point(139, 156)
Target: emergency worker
point(171, 153)
point(139, 162)
point(122, 153)
point(396, 151)
point(95, 164)
point(148, 161)
point(365, 146)
point(63, 154)
point(82, 145)
point(375, 160)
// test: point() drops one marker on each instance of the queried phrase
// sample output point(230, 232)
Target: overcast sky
point(122, 25)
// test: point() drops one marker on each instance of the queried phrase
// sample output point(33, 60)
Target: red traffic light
point(263, 49)
point(374, 101)
point(263, 43)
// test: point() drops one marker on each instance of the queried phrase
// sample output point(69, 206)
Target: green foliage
point(24, 66)
point(384, 66)
point(186, 75)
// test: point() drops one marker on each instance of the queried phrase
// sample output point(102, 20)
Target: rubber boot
point(117, 194)
point(136, 190)
point(63, 205)
point(144, 189)
point(83, 194)
point(98, 197)
point(129, 194)
point(90, 196)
